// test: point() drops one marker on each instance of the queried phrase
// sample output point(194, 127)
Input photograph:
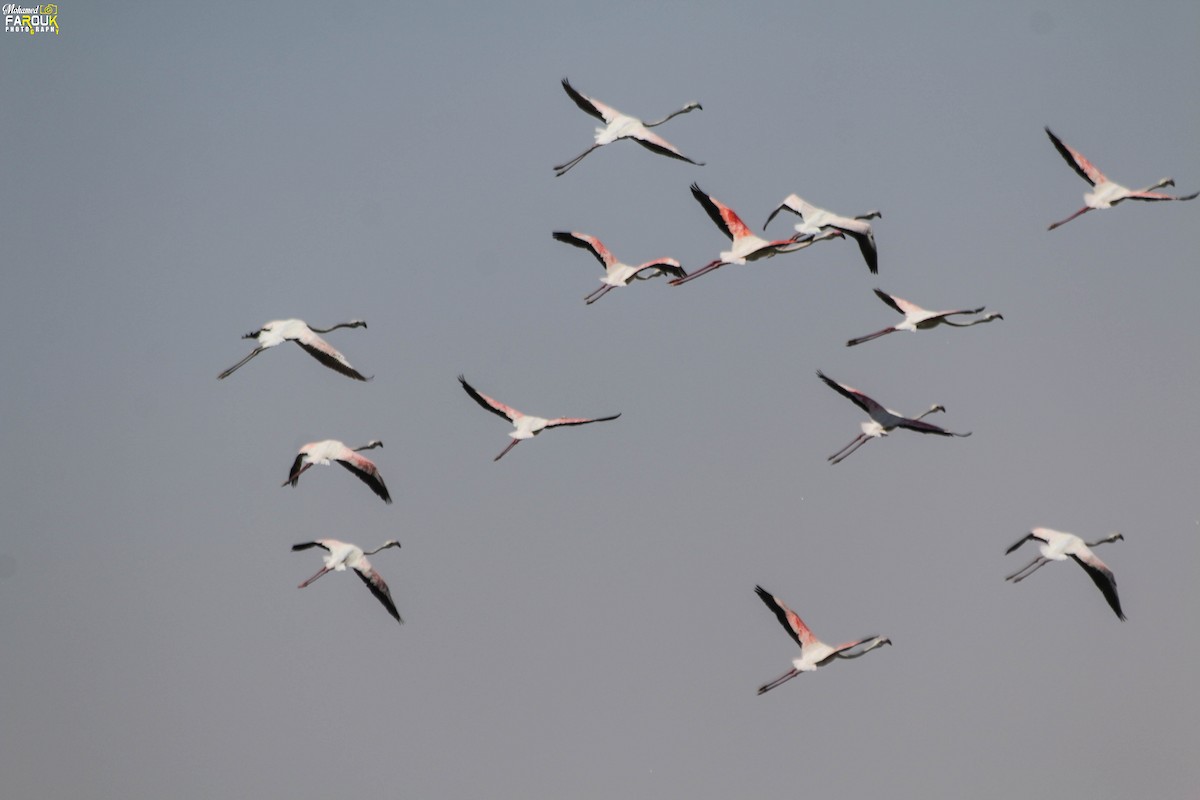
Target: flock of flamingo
point(816, 224)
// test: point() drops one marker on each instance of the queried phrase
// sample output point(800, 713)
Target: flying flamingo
point(746, 246)
point(344, 554)
point(813, 652)
point(883, 420)
point(332, 450)
point(623, 126)
point(1106, 193)
point(527, 426)
point(1056, 546)
point(298, 331)
point(920, 319)
point(617, 273)
point(815, 220)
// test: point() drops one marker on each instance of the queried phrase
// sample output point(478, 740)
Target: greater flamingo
point(814, 220)
point(623, 126)
point(324, 452)
point(1106, 193)
point(1057, 546)
point(527, 426)
point(920, 319)
point(883, 420)
point(617, 273)
point(813, 652)
point(298, 331)
point(342, 555)
point(746, 246)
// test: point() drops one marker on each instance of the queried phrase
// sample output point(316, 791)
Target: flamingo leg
point(314, 577)
point(841, 455)
point(561, 169)
point(706, 268)
point(1083, 210)
point(596, 295)
point(1036, 564)
point(233, 369)
point(511, 445)
point(293, 478)
point(870, 336)
point(784, 678)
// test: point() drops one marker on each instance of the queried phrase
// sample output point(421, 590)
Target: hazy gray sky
point(580, 617)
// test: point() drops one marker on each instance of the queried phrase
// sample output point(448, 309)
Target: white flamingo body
point(746, 246)
point(814, 221)
point(617, 273)
point(342, 555)
point(1059, 546)
point(526, 425)
point(278, 331)
point(813, 652)
point(1106, 193)
point(331, 451)
point(920, 319)
point(883, 420)
point(622, 126)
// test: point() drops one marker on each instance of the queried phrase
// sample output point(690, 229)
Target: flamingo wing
point(789, 619)
point(654, 142)
point(378, 587)
point(1153, 196)
point(590, 243)
point(492, 405)
point(1023, 540)
point(920, 426)
point(590, 105)
point(364, 469)
point(307, 545)
point(667, 265)
point(563, 421)
point(721, 215)
point(898, 304)
point(854, 395)
point(1077, 160)
point(866, 245)
point(297, 468)
point(324, 352)
point(1103, 577)
point(794, 203)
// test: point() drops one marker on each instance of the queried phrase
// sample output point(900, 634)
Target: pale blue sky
point(580, 617)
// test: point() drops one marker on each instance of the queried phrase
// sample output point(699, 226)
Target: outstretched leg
point(853, 442)
point(842, 454)
point(709, 267)
point(314, 577)
point(1036, 564)
point(596, 295)
point(784, 678)
point(233, 369)
point(561, 169)
point(1083, 210)
point(870, 336)
point(511, 445)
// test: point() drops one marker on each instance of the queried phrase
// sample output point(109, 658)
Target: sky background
point(580, 617)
